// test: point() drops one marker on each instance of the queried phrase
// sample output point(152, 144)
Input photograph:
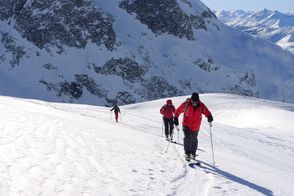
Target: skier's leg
point(166, 127)
point(171, 128)
point(194, 143)
point(187, 140)
point(116, 116)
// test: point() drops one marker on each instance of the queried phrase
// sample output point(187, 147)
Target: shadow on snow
point(234, 178)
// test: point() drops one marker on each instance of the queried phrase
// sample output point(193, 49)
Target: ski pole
point(210, 125)
point(162, 128)
point(167, 147)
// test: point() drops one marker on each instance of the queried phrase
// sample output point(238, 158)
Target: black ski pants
point(190, 141)
point(169, 126)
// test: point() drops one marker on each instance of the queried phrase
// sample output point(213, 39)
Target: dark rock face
point(121, 98)
point(9, 8)
point(165, 16)
point(71, 89)
point(239, 90)
point(157, 87)
point(49, 66)
point(17, 52)
point(60, 23)
point(87, 82)
point(246, 86)
point(74, 89)
point(127, 68)
point(249, 78)
point(208, 14)
point(206, 65)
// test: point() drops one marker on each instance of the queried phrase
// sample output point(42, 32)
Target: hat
point(195, 96)
point(169, 101)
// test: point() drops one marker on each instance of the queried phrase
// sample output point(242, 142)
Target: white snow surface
point(69, 149)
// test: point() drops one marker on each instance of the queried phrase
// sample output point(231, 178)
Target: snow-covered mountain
point(234, 17)
point(274, 26)
point(100, 52)
point(50, 149)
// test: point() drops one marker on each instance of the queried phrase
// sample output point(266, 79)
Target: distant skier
point(116, 111)
point(193, 109)
point(168, 111)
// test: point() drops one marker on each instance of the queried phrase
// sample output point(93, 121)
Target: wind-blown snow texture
point(66, 149)
point(273, 26)
point(100, 52)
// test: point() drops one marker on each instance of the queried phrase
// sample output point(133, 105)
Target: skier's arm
point(112, 109)
point(173, 110)
point(178, 111)
point(207, 113)
point(162, 110)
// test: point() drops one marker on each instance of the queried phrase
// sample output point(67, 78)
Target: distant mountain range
point(102, 52)
point(273, 26)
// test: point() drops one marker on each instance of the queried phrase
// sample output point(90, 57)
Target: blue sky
point(279, 5)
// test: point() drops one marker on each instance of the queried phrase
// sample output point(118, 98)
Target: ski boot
point(188, 157)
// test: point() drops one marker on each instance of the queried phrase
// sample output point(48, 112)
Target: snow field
point(68, 149)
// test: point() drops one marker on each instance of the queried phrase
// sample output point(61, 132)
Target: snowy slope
point(273, 26)
point(65, 149)
point(99, 52)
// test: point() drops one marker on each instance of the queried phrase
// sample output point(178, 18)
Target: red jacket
point(192, 117)
point(168, 111)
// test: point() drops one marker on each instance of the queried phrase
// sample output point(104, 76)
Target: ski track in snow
point(65, 149)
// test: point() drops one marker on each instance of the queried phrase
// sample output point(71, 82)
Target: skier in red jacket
point(193, 109)
point(168, 111)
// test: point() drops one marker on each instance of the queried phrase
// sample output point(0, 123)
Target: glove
point(209, 119)
point(176, 121)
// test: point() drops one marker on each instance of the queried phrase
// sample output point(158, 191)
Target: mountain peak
point(274, 26)
point(126, 51)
